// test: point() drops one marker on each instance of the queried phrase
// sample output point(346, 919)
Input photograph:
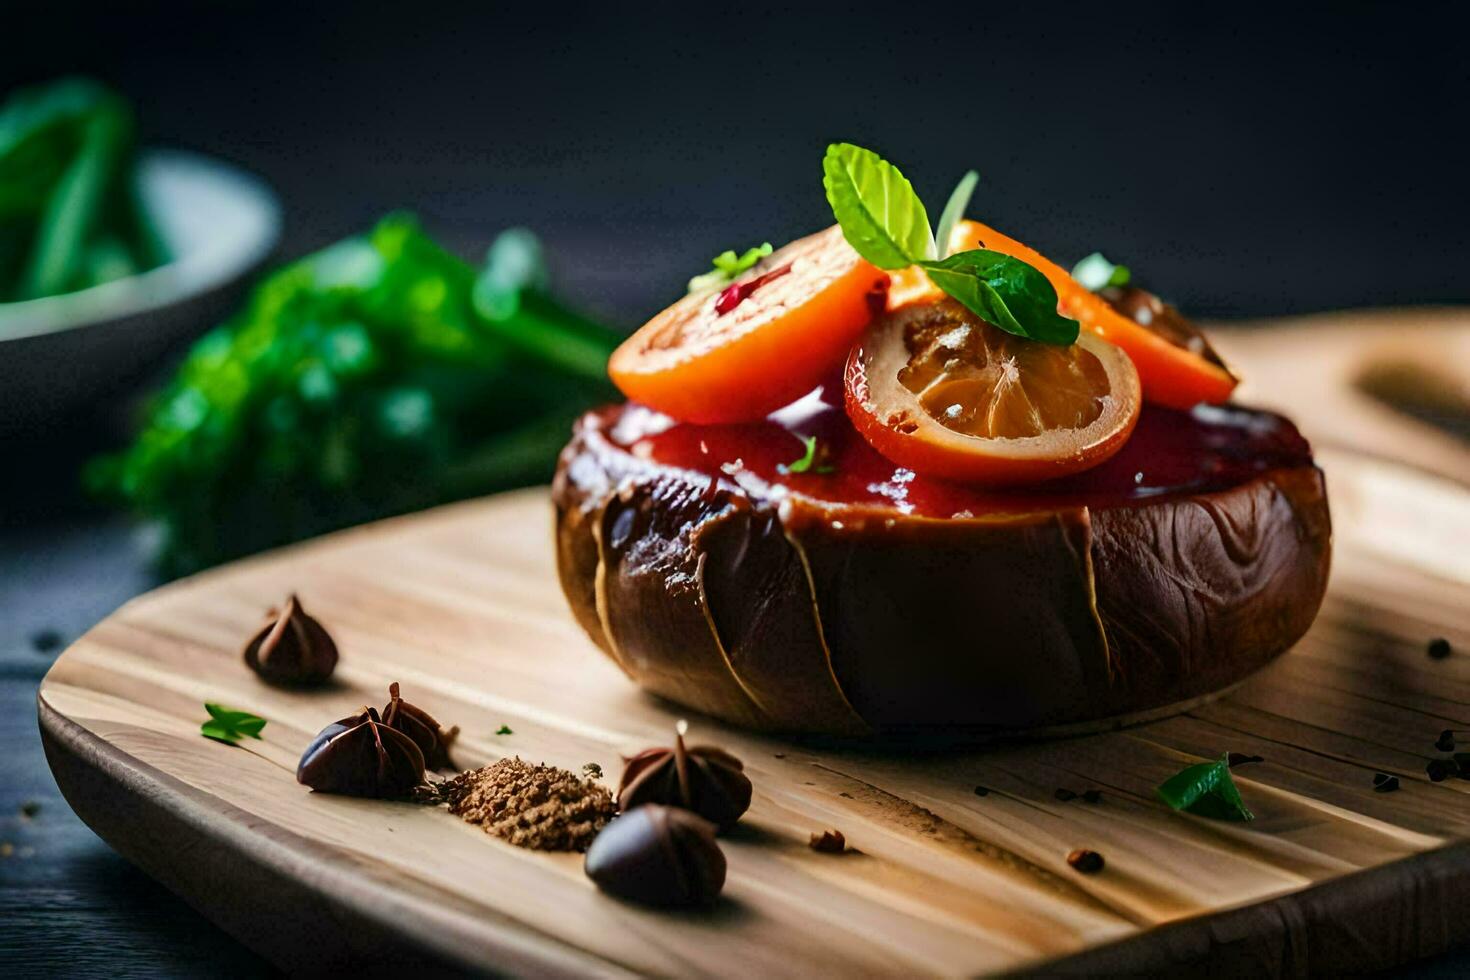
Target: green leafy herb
point(884, 221)
point(881, 216)
point(380, 375)
point(229, 726)
point(1004, 291)
point(808, 461)
point(504, 730)
point(1206, 789)
point(70, 211)
point(1096, 272)
point(728, 267)
point(954, 210)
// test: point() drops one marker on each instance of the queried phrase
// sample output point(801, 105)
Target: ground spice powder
point(540, 807)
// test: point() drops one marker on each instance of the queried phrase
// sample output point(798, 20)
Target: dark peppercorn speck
point(981, 791)
point(1085, 861)
point(1385, 784)
point(1065, 795)
point(1092, 796)
point(1439, 648)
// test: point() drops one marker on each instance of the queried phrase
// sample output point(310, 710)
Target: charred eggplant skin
point(793, 615)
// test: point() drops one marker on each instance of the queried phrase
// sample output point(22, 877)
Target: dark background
point(1244, 161)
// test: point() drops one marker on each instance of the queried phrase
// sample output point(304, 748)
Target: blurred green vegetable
point(70, 213)
point(379, 375)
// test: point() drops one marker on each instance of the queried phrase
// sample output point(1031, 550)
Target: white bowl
point(61, 353)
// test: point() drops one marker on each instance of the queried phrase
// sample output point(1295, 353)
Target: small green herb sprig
point(885, 222)
point(809, 461)
point(1206, 789)
point(225, 725)
point(727, 268)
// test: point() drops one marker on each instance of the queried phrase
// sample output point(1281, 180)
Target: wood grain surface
point(461, 606)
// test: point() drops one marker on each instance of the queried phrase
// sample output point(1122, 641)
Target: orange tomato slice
point(936, 389)
point(739, 353)
point(1171, 375)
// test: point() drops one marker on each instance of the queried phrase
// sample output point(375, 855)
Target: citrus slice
point(938, 390)
point(1171, 373)
point(775, 333)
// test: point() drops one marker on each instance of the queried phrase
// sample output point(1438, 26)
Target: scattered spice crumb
point(1438, 769)
point(29, 809)
point(1384, 783)
point(845, 795)
point(1446, 740)
point(504, 730)
point(779, 755)
point(592, 770)
point(540, 807)
point(981, 791)
point(1439, 648)
point(1065, 795)
point(49, 641)
point(829, 842)
point(1085, 861)
point(1234, 759)
point(1092, 796)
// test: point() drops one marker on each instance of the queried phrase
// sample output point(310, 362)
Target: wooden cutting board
point(461, 606)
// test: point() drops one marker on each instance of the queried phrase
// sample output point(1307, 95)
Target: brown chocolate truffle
point(703, 779)
point(361, 756)
point(658, 855)
point(292, 648)
point(432, 739)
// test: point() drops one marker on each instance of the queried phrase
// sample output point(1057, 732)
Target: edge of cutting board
point(1328, 926)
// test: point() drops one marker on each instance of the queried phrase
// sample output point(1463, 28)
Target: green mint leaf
point(728, 267)
point(808, 462)
point(504, 730)
point(218, 732)
point(1207, 790)
point(954, 210)
point(1006, 292)
point(1095, 272)
point(226, 725)
point(881, 216)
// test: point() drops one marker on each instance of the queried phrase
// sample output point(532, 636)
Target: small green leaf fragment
point(1006, 292)
point(954, 210)
point(1207, 790)
point(227, 725)
point(504, 730)
point(728, 266)
point(218, 732)
point(1096, 272)
point(881, 216)
point(808, 461)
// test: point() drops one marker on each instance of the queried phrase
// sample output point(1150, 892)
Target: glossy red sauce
point(1170, 453)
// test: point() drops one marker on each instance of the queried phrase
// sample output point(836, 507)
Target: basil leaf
point(1096, 272)
point(1207, 790)
point(728, 266)
point(954, 210)
point(881, 216)
point(1006, 292)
